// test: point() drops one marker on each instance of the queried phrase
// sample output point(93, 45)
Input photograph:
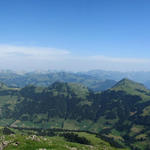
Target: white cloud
point(31, 52)
point(33, 58)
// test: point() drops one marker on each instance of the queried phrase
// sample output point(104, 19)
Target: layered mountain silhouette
point(45, 79)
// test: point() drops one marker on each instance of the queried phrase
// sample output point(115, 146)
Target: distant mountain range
point(45, 79)
point(121, 112)
point(139, 76)
point(96, 80)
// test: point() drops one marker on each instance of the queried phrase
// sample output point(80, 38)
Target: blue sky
point(75, 34)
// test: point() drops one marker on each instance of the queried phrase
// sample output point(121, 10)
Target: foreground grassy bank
point(16, 139)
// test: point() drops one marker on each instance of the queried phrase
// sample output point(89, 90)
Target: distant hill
point(147, 84)
point(3, 86)
point(45, 79)
point(96, 80)
point(138, 76)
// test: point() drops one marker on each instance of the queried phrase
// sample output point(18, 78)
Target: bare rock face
point(33, 138)
point(4, 144)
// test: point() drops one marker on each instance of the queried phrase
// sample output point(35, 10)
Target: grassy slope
point(139, 132)
point(22, 141)
point(132, 88)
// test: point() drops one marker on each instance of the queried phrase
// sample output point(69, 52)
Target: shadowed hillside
point(121, 113)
